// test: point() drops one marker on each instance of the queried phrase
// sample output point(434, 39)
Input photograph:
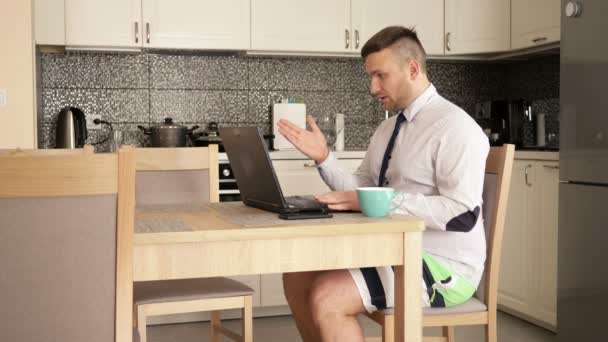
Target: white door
point(477, 26)
point(547, 186)
point(294, 25)
point(369, 17)
point(196, 24)
point(516, 269)
point(534, 22)
point(109, 23)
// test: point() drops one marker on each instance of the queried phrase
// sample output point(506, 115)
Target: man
point(434, 155)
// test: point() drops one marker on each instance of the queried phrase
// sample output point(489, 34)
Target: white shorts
point(377, 287)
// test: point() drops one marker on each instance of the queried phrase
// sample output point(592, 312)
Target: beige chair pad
point(161, 291)
point(472, 305)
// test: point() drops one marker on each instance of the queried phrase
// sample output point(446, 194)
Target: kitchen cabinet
point(110, 23)
point(301, 177)
point(534, 23)
point(528, 271)
point(196, 24)
point(49, 22)
point(339, 26)
point(183, 24)
point(477, 26)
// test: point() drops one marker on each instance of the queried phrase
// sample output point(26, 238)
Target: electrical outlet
point(90, 124)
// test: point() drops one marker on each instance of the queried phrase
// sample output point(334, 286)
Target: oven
point(229, 191)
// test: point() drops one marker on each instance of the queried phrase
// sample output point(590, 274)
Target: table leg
point(408, 309)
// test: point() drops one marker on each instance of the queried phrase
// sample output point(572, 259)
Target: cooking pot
point(168, 134)
point(209, 136)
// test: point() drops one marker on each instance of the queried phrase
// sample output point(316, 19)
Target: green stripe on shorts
point(454, 289)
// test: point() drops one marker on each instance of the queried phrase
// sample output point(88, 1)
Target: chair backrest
point(179, 175)
point(497, 180)
point(66, 228)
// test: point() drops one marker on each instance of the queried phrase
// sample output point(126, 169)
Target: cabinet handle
point(447, 42)
point(552, 167)
point(136, 32)
point(356, 39)
point(539, 39)
point(310, 165)
point(148, 33)
point(347, 36)
point(526, 174)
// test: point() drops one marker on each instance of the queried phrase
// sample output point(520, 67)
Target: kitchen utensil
point(295, 113)
point(168, 134)
point(209, 136)
point(71, 129)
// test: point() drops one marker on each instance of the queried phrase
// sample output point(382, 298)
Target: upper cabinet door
point(534, 22)
point(477, 26)
point(369, 17)
point(49, 21)
point(109, 23)
point(196, 24)
point(295, 25)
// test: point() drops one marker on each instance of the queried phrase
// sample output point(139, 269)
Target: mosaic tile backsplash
point(142, 89)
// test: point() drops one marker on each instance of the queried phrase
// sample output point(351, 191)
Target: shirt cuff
point(330, 162)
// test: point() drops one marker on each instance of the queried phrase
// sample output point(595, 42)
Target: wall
point(144, 88)
point(17, 120)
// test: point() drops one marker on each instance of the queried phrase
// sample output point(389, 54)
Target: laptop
point(257, 180)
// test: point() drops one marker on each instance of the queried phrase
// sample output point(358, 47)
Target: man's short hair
point(403, 40)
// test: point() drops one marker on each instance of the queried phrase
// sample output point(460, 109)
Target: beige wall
point(17, 118)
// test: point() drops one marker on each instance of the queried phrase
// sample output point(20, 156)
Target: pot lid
point(168, 124)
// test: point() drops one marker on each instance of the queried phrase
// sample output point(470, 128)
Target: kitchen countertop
point(536, 155)
point(296, 155)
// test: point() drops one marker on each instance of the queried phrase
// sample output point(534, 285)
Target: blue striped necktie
point(389, 149)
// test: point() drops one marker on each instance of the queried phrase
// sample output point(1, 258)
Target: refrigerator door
point(584, 94)
point(582, 285)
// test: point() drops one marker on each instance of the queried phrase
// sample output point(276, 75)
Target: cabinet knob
point(528, 167)
point(573, 9)
point(136, 32)
point(447, 42)
point(347, 38)
point(356, 39)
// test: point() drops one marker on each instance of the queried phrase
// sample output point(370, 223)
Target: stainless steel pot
point(168, 134)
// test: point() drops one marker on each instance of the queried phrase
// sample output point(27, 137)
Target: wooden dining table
point(231, 239)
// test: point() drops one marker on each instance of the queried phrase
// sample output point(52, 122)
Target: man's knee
point(324, 301)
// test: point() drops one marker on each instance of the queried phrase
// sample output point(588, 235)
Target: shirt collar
point(419, 103)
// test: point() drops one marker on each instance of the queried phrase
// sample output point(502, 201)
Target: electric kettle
point(71, 129)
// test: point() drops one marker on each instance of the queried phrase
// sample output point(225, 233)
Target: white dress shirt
point(437, 166)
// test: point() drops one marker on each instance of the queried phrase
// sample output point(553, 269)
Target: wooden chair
point(66, 245)
point(481, 309)
point(182, 176)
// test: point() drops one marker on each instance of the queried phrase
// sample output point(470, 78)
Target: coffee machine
point(507, 119)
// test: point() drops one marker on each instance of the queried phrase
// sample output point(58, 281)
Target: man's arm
point(459, 172)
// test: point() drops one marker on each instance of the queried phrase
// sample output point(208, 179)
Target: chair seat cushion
point(472, 305)
point(161, 291)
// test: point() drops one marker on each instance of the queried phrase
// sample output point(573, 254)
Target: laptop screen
point(252, 166)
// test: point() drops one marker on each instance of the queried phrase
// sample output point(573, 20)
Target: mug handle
point(402, 195)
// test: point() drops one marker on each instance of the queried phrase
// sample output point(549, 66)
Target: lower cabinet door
point(272, 293)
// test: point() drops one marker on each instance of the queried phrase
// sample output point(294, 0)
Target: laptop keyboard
point(304, 202)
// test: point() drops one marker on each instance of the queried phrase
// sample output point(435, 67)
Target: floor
point(282, 328)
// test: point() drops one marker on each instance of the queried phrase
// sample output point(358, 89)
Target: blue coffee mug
point(375, 201)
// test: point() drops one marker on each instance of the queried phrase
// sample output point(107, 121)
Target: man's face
point(390, 80)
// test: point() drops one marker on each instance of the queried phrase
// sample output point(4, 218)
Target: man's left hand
point(340, 200)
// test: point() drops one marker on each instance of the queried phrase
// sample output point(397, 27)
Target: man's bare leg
point(335, 302)
point(297, 292)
